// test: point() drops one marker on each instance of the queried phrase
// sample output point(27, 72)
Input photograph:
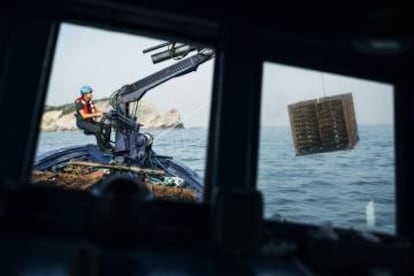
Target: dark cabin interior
point(51, 231)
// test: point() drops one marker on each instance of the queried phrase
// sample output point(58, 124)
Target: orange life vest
point(88, 108)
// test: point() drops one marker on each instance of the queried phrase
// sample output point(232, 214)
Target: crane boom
point(135, 91)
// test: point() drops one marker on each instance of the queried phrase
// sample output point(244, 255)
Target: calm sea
point(351, 189)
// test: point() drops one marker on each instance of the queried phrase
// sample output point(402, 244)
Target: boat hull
point(57, 160)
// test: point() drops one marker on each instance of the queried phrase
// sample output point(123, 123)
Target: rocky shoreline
point(61, 118)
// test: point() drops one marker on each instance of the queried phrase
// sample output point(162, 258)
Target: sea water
point(337, 187)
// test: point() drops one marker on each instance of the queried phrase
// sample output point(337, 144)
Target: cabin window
point(174, 115)
point(309, 169)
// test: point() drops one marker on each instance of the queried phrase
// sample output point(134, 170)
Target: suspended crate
point(324, 124)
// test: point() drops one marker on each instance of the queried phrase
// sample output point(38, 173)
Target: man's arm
point(90, 115)
point(79, 108)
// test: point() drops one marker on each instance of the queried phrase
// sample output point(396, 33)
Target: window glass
point(310, 169)
point(110, 108)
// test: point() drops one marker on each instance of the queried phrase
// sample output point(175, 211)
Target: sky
point(108, 60)
point(284, 85)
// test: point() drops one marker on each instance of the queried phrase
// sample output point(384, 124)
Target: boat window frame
point(325, 56)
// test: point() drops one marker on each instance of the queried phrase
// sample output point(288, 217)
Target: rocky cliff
point(61, 118)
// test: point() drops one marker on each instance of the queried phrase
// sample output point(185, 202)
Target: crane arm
point(135, 91)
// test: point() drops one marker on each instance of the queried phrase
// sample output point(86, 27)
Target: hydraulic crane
point(132, 146)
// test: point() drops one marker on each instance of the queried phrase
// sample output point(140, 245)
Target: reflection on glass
point(349, 188)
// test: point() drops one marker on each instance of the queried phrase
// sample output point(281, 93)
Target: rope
point(181, 121)
point(135, 108)
point(332, 113)
point(323, 85)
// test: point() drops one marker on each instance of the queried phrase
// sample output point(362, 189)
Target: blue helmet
point(86, 89)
